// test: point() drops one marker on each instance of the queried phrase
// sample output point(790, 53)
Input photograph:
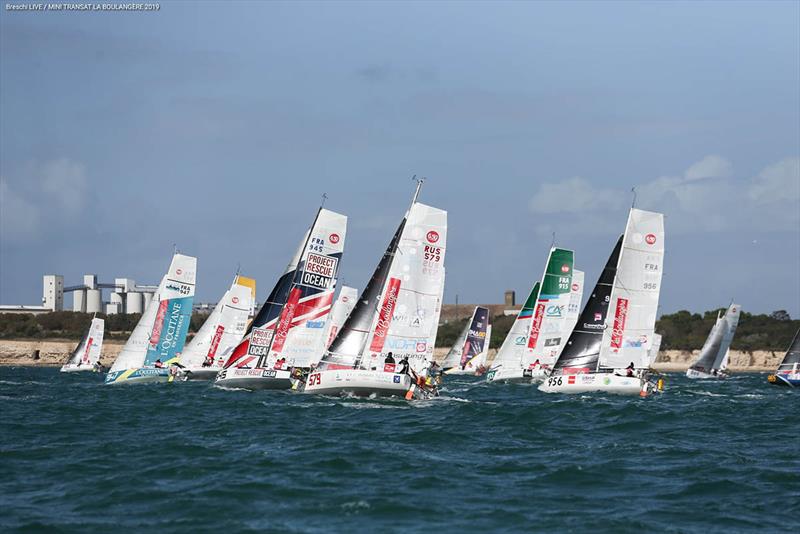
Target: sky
point(217, 127)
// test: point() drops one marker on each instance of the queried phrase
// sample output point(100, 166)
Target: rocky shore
point(53, 352)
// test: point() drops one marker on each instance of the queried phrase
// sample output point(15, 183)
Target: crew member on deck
point(158, 364)
point(404, 366)
point(629, 370)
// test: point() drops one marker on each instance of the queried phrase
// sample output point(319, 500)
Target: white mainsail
point(633, 302)
point(223, 329)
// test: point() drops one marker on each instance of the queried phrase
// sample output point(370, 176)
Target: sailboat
point(468, 354)
point(220, 334)
point(396, 313)
point(788, 372)
point(601, 344)
point(543, 324)
point(159, 336)
point(86, 355)
point(652, 350)
point(287, 333)
point(714, 354)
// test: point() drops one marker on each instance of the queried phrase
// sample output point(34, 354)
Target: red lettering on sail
point(155, 335)
point(385, 315)
point(285, 321)
point(212, 350)
point(536, 324)
point(620, 316)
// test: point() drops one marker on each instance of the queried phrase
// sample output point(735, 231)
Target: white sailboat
point(86, 355)
point(712, 360)
point(287, 335)
point(396, 313)
point(159, 336)
point(220, 334)
point(618, 320)
point(345, 302)
point(468, 354)
point(543, 324)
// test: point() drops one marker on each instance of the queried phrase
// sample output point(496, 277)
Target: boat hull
point(596, 382)
point(701, 375)
point(141, 375)
point(361, 383)
point(785, 379)
point(198, 373)
point(515, 376)
point(254, 379)
point(76, 369)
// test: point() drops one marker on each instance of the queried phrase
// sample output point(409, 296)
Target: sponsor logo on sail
point(315, 324)
point(396, 379)
point(178, 271)
point(212, 350)
point(260, 338)
point(620, 316)
point(650, 239)
point(286, 317)
point(575, 287)
point(385, 315)
point(235, 300)
point(565, 268)
point(432, 236)
point(554, 310)
point(536, 326)
point(598, 316)
point(155, 335)
point(552, 342)
point(333, 238)
point(319, 271)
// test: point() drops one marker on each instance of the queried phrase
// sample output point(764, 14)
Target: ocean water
point(76, 456)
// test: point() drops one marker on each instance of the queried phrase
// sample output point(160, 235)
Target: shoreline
point(54, 352)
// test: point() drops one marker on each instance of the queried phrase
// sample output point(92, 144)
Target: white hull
point(75, 369)
point(360, 382)
point(695, 374)
point(254, 379)
point(515, 375)
point(198, 373)
point(465, 372)
point(595, 382)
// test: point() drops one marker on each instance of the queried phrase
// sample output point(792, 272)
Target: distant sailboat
point(602, 344)
point(86, 355)
point(543, 324)
point(397, 312)
point(713, 356)
point(159, 336)
point(468, 354)
point(788, 372)
point(220, 334)
point(287, 334)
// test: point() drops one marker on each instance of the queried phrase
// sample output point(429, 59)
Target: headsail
point(87, 353)
point(292, 320)
point(514, 347)
point(731, 322)
point(547, 334)
point(582, 351)
point(223, 329)
point(339, 313)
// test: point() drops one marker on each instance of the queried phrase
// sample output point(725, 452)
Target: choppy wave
point(188, 457)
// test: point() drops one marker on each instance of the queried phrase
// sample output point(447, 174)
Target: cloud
point(374, 73)
point(574, 195)
point(704, 197)
point(64, 180)
point(19, 218)
point(53, 190)
point(712, 166)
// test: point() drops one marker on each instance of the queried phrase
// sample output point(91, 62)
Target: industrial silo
point(94, 301)
point(146, 297)
point(134, 302)
point(79, 300)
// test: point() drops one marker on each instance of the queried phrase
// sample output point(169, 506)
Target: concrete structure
point(146, 297)
point(133, 302)
point(53, 292)
point(510, 298)
point(112, 308)
point(118, 300)
point(94, 301)
point(79, 301)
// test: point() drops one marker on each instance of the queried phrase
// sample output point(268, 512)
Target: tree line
point(682, 330)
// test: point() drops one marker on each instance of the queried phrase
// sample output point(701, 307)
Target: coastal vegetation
point(682, 330)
